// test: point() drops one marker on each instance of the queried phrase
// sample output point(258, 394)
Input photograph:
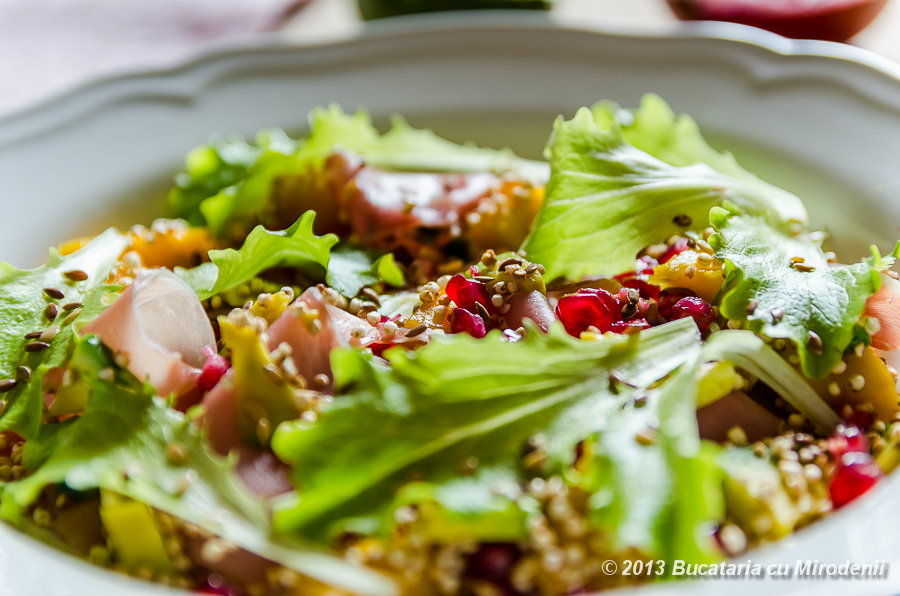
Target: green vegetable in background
point(607, 199)
point(811, 302)
point(24, 311)
point(120, 445)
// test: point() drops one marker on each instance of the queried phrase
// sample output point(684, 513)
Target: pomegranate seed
point(679, 247)
point(379, 348)
point(466, 292)
point(668, 298)
point(493, 561)
point(847, 439)
point(861, 419)
point(213, 369)
point(855, 474)
point(696, 308)
point(642, 267)
point(587, 308)
point(461, 320)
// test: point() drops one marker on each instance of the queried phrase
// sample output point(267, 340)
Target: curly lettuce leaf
point(780, 299)
point(281, 159)
point(459, 398)
point(607, 199)
point(119, 444)
point(24, 301)
point(345, 269)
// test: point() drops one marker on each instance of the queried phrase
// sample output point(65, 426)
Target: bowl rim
point(147, 82)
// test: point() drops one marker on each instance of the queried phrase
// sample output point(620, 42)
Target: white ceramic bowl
point(820, 119)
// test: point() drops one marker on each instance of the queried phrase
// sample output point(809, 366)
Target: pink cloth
point(47, 46)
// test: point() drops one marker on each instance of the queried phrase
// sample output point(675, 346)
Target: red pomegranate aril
point(861, 419)
point(847, 439)
point(668, 298)
point(855, 474)
point(587, 309)
point(642, 267)
point(696, 308)
point(648, 290)
point(213, 369)
point(461, 320)
point(493, 561)
point(678, 247)
point(466, 292)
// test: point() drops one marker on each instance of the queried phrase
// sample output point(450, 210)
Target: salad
point(375, 364)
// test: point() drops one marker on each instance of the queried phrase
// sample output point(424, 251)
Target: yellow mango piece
point(715, 380)
point(262, 398)
point(878, 387)
point(503, 221)
point(70, 246)
point(132, 533)
point(177, 247)
point(688, 270)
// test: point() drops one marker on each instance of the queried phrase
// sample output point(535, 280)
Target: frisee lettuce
point(346, 270)
point(459, 398)
point(607, 199)
point(787, 301)
point(119, 444)
point(251, 174)
point(24, 301)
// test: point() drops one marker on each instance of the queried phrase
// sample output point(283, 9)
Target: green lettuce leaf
point(24, 301)
point(402, 148)
point(459, 398)
point(789, 303)
point(352, 269)
point(347, 270)
point(119, 444)
point(607, 199)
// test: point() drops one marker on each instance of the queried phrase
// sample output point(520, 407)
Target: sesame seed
point(419, 329)
point(803, 267)
point(106, 374)
point(497, 300)
point(840, 368)
point(483, 312)
point(176, 453)
point(390, 328)
point(54, 293)
point(857, 382)
point(33, 334)
point(320, 381)
point(425, 297)
point(834, 389)
point(507, 262)
point(49, 333)
point(371, 295)
point(737, 436)
point(859, 349)
point(512, 287)
point(483, 278)
point(690, 271)
point(798, 260)
point(354, 306)
point(683, 220)
point(71, 317)
point(72, 306)
point(36, 346)
point(520, 274)
point(8, 385)
point(76, 275)
point(273, 375)
point(647, 436)
point(489, 259)
point(373, 318)
point(777, 315)
point(814, 343)
point(51, 311)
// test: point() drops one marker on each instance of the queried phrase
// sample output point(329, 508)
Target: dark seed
point(629, 310)
point(683, 220)
point(814, 343)
point(51, 311)
point(618, 378)
point(417, 330)
point(751, 308)
point(640, 400)
point(23, 374)
point(777, 315)
point(36, 346)
point(803, 267)
point(54, 293)
point(33, 335)
point(72, 305)
point(483, 278)
point(76, 275)
point(7, 385)
point(483, 312)
point(508, 262)
point(371, 295)
point(531, 269)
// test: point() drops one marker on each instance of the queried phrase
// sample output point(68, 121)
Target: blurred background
point(47, 46)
